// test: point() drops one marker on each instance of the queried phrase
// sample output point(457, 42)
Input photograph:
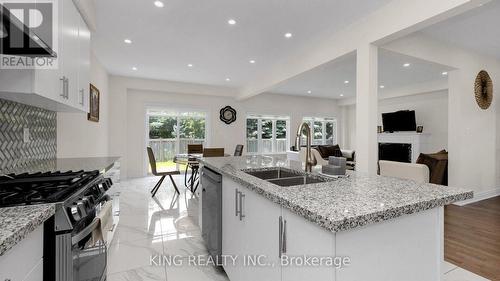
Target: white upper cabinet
point(83, 66)
point(62, 89)
point(70, 51)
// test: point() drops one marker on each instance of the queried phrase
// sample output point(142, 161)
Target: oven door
point(89, 261)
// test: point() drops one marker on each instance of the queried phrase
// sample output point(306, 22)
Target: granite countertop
point(17, 222)
point(65, 164)
point(87, 163)
point(340, 204)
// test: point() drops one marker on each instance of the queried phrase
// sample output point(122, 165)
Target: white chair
point(315, 154)
point(293, 155)
point(410, 171)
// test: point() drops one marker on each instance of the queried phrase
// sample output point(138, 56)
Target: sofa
point(322, 159)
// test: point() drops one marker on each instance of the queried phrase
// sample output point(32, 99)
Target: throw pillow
point(329, 150)
point(438, 166)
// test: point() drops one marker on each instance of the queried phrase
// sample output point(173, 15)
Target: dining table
point(191, 160)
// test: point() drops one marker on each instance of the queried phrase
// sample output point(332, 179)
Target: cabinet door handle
point(82, 92)
point(242, 195)
point(283, 240)
point(67, 88)
point(280, 236)
point(236, 202)
point(63, 84)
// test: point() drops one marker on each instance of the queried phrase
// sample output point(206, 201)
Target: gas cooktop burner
point(38, 188)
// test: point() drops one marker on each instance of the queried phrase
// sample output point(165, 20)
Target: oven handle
point(85, 232)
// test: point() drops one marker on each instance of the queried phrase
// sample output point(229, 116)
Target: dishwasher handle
point(236, 200)
point(242, 195)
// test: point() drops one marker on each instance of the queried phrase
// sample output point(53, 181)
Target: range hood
point(12, 27)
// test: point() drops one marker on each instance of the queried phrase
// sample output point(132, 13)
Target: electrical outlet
point(26, 135)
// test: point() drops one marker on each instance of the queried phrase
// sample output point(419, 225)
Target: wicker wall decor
point(483, 89)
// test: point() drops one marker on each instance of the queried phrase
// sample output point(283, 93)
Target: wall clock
point(228, 115)
point(483, 89)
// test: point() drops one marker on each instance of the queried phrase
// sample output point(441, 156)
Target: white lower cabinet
point(255, 239)
point(232, 232)
point(306, 241)
point(260, 226)
point(24, 261)
point(406, 248)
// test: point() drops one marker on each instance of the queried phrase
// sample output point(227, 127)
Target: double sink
point(285, 177)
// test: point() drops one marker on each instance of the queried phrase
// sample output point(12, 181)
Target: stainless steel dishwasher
point(211, 205)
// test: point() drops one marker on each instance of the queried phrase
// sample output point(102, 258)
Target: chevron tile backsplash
point(16, 156)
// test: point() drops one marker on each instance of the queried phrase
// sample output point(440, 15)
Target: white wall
point(78, 137)
point(473, 132)
point(349, 121)
point(431, 112)
point(130, 138)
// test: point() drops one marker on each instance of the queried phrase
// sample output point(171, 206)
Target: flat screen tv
point(403, 120)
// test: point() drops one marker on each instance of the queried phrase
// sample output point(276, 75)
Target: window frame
point(274, 140)
point(178, 113)
point(324, 120)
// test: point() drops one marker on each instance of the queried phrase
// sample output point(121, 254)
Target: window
point(267, 134)
point(324, 130)
point(169, 133)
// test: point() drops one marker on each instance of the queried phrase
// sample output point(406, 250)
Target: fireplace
point(401, 145)
point(400, 152)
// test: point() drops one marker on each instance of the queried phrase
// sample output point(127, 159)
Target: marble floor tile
point(447, 267)
point(127, 255)
point(185, 247)
point(138, 227)
point(188, 273)
point(460, 274)
point(139, 274)
point(166, 224)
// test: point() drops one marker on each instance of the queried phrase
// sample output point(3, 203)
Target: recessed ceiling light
point(251, 61)
point(134, 68)
point(190, 65)
point(231, 22)
point(127, 41)
point(341, 95)
point(288, 35)
point(309, 91)
point(382, 86)
point(444, 73)
point(406, 64)
point(346, 82)
point(159, 4)
point(228, 79)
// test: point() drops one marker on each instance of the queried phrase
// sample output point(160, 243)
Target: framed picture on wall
point(93, 114)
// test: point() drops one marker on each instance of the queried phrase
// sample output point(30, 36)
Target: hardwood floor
point(472, 237)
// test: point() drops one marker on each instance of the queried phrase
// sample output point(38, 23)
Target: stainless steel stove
point(78, 198)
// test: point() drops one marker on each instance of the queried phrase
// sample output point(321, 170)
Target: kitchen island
point(372, 227)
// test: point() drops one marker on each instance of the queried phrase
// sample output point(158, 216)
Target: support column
point(367, 109)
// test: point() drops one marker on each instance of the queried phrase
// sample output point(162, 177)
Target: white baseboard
point(479, 196)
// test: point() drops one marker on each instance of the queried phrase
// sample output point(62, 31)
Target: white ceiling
point(477, 30)
point(328, 80)
point(166, 40)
